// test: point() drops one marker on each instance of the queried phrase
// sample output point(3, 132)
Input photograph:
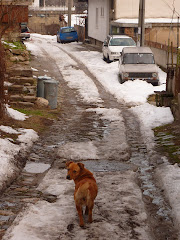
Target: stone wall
point(20, 84)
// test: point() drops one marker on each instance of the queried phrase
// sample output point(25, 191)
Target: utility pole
point(69, 13)
point(178, 33)
point(141, 25)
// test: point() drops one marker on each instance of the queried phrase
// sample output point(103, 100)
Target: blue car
point(67, 34)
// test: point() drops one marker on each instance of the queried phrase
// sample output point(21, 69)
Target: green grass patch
point(9, 135)
point(38, 119)
point(152, 98)
point(167, 139)
point(38, 112)
point(14, 45)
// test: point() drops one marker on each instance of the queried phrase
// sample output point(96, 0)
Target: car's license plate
point(69, 37)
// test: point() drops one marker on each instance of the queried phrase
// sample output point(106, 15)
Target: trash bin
point(50, 92)
point(40, 85)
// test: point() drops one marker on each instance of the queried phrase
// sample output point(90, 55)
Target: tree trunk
point(2, 78)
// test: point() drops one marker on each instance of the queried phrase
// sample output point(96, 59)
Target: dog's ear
point(68, 163)
point(81, 165)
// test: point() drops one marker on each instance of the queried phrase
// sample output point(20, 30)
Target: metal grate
point(140, 75)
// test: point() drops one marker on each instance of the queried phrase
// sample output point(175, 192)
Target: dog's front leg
point(80, 213)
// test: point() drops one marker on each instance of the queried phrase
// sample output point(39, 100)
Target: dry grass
point(38, 120)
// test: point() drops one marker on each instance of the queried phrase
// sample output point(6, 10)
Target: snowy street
point(108, 127)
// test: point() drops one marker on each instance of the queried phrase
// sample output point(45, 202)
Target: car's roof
point(119, 36)
point(137, 50)
point(66, 27)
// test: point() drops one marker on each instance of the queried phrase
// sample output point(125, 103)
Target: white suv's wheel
point(104, 58)
point(108, 60)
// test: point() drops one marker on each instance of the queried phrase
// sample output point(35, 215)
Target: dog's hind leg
point(86, 211)
point(90, 208)
point(80, 213)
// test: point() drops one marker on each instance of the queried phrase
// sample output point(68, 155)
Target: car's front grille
point(140, 75)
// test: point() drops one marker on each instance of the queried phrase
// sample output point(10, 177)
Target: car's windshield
point(138, 58)
point(68, 30)
point(24, 29)
point(122, 42)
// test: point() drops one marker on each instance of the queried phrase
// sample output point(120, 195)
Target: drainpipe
point(178, 33)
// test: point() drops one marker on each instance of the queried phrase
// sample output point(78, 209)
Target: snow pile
point(171, 185)
point(131, 92)
point(147, 20)
point(8, 149)
point(15, 114)
point(150, 117)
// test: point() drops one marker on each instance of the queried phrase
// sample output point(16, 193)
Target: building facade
point(121, 17)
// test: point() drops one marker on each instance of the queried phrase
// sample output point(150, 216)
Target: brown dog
point(85, 189)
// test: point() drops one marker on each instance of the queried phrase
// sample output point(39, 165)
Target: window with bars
point(102, 12)
point(97, 22)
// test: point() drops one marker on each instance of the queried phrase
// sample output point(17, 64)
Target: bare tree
point(11, 15)
point(2, 78)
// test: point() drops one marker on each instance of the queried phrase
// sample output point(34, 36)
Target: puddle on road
point(36, 167)
point(108, 166)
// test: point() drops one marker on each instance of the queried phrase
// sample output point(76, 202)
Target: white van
point(113, 45)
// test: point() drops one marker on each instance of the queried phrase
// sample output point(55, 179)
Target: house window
point(112, 4)
point(41, 3)
point(135, 31)
point(96, 17)
point(102, 12)
point(118, 30)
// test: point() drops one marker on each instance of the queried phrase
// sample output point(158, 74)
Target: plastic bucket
point(40, 85)
point(50, 92)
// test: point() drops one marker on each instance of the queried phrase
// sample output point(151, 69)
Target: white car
point(138, 63)
point(113, 45)
point(25, 33)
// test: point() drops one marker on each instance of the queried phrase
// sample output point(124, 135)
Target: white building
point(121, 17)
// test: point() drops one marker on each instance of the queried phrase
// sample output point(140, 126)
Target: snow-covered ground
point(8, 149)
point(134, 93)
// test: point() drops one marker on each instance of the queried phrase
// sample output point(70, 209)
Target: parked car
point(25, 32)
point(138, 63)
point(67, 34)
point(113, 45)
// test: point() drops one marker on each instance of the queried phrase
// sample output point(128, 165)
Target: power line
point(172, 8)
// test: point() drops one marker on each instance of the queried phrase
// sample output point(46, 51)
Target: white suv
point(113, 45)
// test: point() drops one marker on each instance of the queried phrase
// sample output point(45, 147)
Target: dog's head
point(74, 170)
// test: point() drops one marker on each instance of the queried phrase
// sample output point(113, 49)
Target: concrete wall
point(99, 27)
point(162, 33)
point(98, 19)
point(44, 22)
point(154, 8)
point(161, 57)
